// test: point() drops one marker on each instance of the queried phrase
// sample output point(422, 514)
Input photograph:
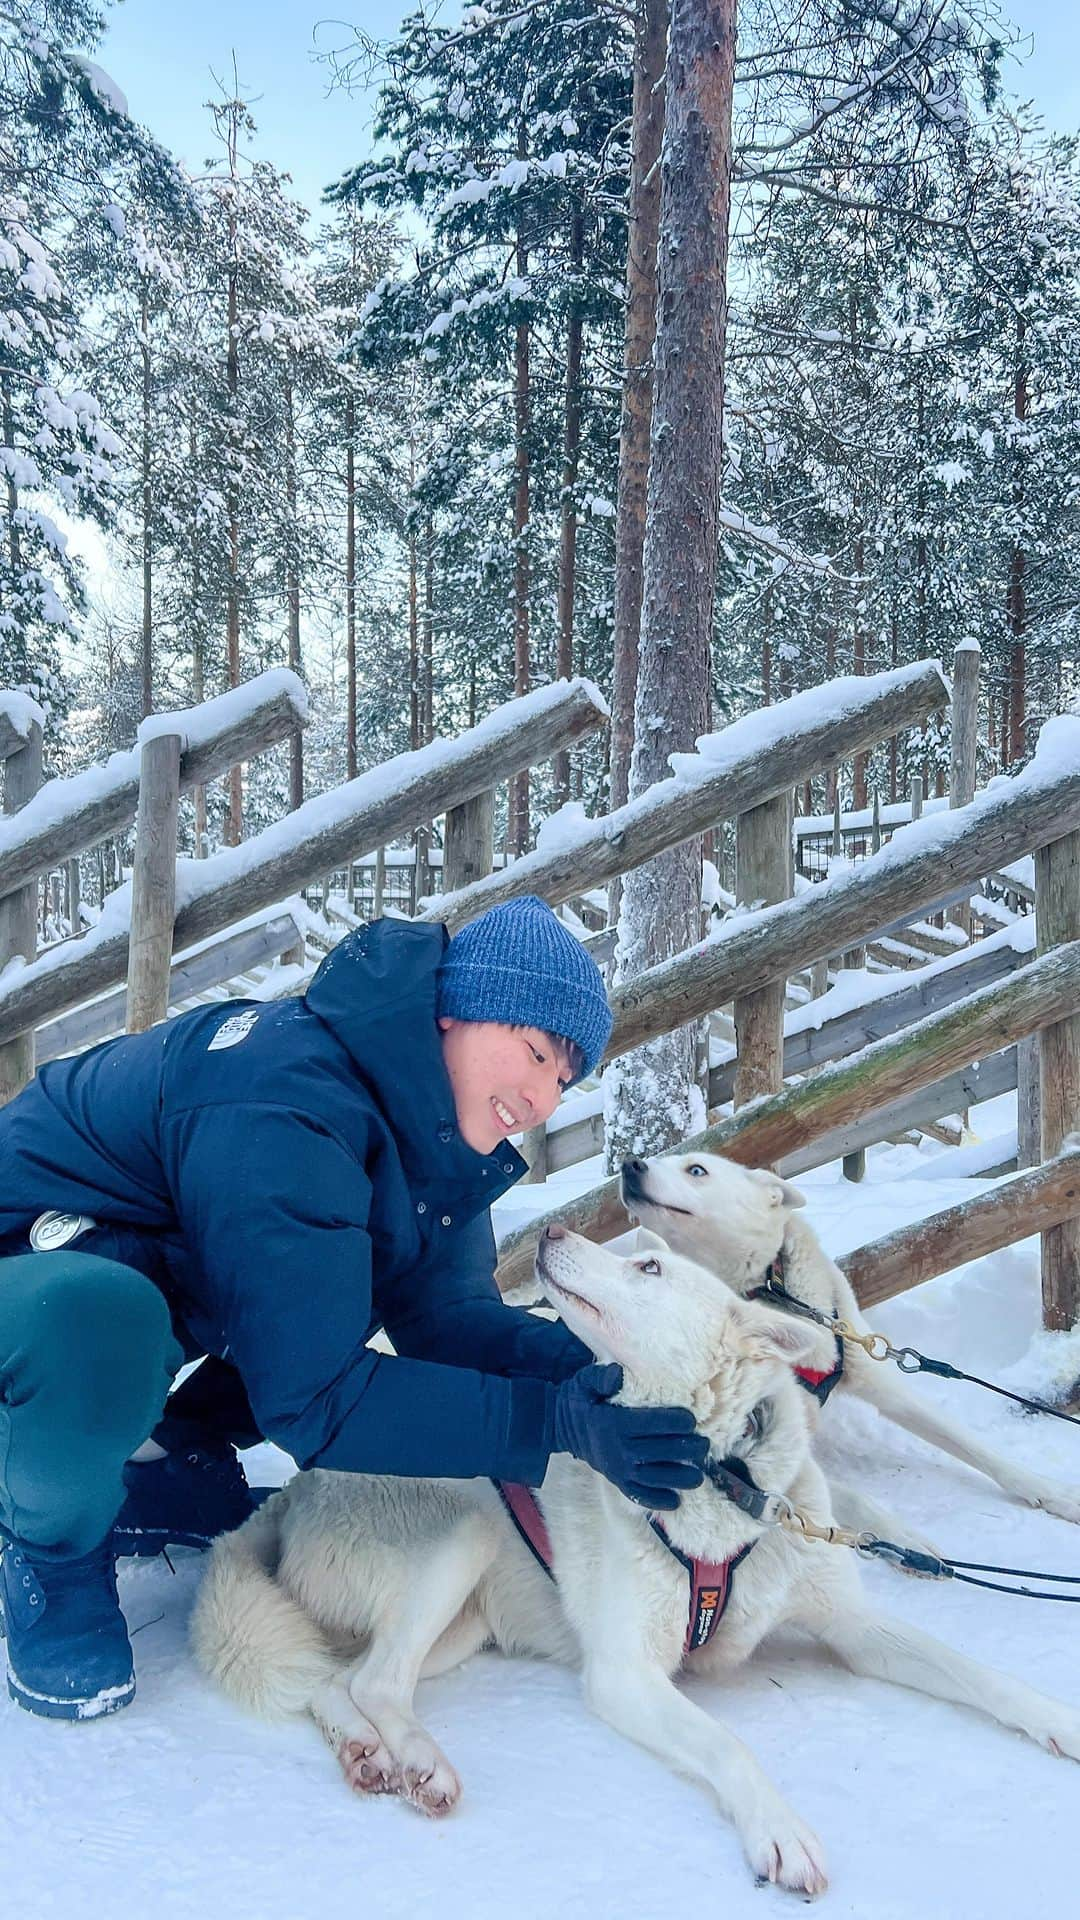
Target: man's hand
point(650, 1453)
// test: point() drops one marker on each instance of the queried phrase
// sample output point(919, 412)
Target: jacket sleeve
point(450, 1309)
point(275, 1211)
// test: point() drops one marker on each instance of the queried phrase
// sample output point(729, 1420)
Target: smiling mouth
point(504, 1116)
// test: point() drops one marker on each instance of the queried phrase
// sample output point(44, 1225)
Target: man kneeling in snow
point(266, 1186)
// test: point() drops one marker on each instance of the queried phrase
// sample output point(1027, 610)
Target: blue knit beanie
point(519, 965)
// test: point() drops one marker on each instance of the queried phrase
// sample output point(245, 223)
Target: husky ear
point(647, 1238)
point(781, 1192)
point(765, 1335)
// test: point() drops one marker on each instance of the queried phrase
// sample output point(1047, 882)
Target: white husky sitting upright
point(345, 1590)
point(738, 1221)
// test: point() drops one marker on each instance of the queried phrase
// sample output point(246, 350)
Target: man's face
point(504, 1078)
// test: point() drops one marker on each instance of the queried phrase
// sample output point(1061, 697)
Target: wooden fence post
point(965, 733)
point(916, 796)
point(763, 875)
point(153, 885)
point(18, 911)
point(469, 842)
point(379, 885)
point(1057, 920)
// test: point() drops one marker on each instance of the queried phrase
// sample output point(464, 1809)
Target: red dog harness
point(819, 1381)
point(710, 1580)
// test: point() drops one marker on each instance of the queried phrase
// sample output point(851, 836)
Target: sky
point(164, 56)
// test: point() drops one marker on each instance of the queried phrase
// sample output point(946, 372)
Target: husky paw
point(1051, 1498)
point(429, 1782)
point(1060, 1735)
point(368, 1766)
point(783, 1851)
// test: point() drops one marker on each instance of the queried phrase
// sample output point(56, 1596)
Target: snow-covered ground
point(183, 1807)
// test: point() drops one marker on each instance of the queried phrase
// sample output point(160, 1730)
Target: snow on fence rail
point(65, 817)
point(774, 1130)
point(746, 764)
point(930, 864)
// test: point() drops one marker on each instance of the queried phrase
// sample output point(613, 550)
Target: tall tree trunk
point(858, 636)
point(234, 818)
point(147, 648)
point(198, 642)
point(427, 633)
point(21, 663)
point(519, 784)
point(350, 583)
point(653, 1099)
point(292, 589)
point(650, 52)
point(1017, 596)
point(567, 504)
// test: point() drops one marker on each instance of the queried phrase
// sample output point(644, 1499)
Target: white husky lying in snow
point(736, 1221)
point(344, 1590)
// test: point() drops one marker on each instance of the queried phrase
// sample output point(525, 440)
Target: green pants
point(87, 1356)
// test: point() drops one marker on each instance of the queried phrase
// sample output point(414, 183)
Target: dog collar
point(819, 1381)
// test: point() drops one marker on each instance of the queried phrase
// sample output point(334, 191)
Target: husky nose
point(635, 1166)
point(554, 1233)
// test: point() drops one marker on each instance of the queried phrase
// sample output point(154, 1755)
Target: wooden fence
point(933, 1044)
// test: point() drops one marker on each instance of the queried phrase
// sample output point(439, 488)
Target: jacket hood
point(376, 993)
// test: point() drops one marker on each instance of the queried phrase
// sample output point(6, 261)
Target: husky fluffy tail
point(246, 1633)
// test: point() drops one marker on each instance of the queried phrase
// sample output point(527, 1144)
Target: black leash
point(932, 1567)
point(732, 1478)
point(908, 1359)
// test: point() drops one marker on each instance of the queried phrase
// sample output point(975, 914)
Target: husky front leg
point(635, 1696)
point(422, 1623)
point(882, 1648)
point(895, 1399)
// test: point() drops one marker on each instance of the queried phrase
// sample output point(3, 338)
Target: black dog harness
point(710, 1580)
point(818, 1381)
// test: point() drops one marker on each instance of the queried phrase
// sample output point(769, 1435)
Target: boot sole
point(93, 1707)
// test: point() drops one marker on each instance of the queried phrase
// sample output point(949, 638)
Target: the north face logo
point(232, 1031)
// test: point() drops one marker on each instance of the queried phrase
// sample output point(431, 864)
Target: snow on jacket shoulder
point(294, 1178)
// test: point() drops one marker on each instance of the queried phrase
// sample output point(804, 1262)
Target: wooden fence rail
point(851, 908)
point(1035, 996)
point(1033, 1202)
point(367, 813)
point(70, 815)
point(674, 810)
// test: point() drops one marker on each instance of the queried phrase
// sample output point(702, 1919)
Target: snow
point(197, 725)
point(718, 753)
point(102, 84)
point(57, 800)
point(21, 711)
point(183, 1804)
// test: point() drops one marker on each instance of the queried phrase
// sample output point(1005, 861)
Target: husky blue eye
point(649, 1266)
point(699, 1172)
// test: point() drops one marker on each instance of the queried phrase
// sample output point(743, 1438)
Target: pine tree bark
point(519, 784)
point(427, 636)
point(292, 588)
point(650, 53)
point(147, 647)
point(350, 584)
point(234, 818)
point(653, 1099)
point(567, 507)
point(198, 642)
point(1017, 595)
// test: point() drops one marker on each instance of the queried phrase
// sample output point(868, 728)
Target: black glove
point(649, 1453)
